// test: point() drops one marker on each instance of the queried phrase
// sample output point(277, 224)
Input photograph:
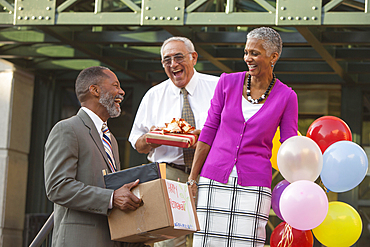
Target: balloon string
point(325, 189)
point(287, 237)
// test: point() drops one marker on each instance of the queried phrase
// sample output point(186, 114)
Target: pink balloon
point(304, 205)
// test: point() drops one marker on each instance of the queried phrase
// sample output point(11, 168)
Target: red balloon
point(287, 236)
point(327, 130)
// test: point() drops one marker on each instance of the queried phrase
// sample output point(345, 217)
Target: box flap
point(181, 206)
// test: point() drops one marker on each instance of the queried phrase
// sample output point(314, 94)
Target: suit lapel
point(93, 133)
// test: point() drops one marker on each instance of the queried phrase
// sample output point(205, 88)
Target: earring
point(272, 65)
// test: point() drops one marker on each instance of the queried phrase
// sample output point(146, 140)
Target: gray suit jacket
point(74, 160)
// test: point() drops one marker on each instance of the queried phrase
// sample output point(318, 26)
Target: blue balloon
point(345, 165)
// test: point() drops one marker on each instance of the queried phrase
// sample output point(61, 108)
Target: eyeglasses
point(179, 58)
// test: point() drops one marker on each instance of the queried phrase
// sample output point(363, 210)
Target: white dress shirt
point(163, 102)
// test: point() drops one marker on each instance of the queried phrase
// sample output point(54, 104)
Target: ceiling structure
point(325, 42)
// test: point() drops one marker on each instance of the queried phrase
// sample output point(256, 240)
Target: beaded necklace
point(256, 101)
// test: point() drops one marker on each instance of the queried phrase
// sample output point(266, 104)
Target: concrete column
point(16, 97)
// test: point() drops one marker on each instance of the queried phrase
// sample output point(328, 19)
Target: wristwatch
point(191, 182)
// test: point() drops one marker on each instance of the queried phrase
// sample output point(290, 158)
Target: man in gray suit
point(74, 160)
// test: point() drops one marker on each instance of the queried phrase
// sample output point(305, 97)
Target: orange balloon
point(275, 148)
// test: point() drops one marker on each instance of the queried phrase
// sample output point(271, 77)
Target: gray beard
point(107, 100)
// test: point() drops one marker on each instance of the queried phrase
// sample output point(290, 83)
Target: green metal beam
point(6, 18)
point(213, 60)
point(227, 17)
point(309, 78)
point(340, 38)
point(229, 6)
point(7, 5)
point(361, 53)
point(132, 52)
point(231, 19)
point(266, 6)
point(346, 19)
point(202, 52)
point(357, 58)
point(98, 6)
point(352, 38)
point(316, 44)
point(203, 38)
point(239, 38)
point(13, 35)
point(132, 6)
point(104, 18)
point(34, 12)
point(113, 37)
point(331, 5)
point(354, 4)
point(290, 72)
point(65, 5)
point(67, 64)
point(40, 50)
point(201, 24)
point(286, 67)
point(93, 54)
point(205, 19)
point(196, 4)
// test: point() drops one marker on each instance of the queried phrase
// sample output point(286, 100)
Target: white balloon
point(299, 158)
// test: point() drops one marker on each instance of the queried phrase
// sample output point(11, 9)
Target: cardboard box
point(171, 139)
point(168, 212)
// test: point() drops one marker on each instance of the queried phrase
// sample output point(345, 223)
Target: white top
point(163, 102)
point(249, 110)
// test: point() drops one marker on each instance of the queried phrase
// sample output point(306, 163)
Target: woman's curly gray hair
point(272, 40)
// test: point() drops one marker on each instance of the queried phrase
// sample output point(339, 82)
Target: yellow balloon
point(275, 148)
point(342, 226)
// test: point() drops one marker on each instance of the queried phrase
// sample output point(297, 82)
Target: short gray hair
point(87, 77)
point(189, 45)
point(272, 40)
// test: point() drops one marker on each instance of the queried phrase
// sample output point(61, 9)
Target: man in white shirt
point(164, 102)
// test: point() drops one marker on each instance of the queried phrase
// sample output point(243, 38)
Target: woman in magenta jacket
point(234, 149)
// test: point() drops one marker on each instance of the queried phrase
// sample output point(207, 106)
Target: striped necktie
point(108, 147)
point(188, 115)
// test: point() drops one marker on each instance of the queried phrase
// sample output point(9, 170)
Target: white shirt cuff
point(111, 202)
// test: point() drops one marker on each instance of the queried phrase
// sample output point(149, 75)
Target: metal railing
point(44, 232)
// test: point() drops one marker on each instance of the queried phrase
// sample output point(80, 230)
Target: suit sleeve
point(61, 182)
